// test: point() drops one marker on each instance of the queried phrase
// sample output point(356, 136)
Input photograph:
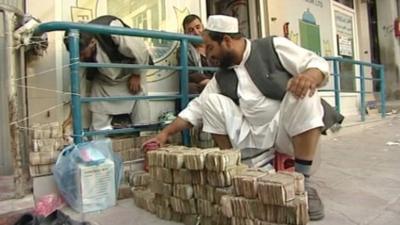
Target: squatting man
point(264, 95)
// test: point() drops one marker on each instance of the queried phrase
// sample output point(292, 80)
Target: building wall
point(9, 10)
point(44, 73)
point(168, 17)
point(281, 12)
point(387, 11)
point(319, 15)
point(364, 37)
point(278, 13)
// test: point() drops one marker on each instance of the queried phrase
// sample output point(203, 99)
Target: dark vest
point(270, 77)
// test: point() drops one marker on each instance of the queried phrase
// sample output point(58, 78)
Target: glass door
point(346, 44)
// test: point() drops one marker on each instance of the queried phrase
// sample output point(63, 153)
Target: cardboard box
point(97, 186)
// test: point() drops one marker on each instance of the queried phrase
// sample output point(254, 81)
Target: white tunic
point(114, 81)
point(257, 110)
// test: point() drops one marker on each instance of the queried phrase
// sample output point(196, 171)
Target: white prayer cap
point(223, 24)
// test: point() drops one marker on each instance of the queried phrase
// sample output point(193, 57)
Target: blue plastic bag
point(84, 174)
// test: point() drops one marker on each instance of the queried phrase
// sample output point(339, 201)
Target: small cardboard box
point(97, 186)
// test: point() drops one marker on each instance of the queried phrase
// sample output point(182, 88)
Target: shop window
point(348, 3)
point(149, 15)
point(140, 21)
point(345, 44)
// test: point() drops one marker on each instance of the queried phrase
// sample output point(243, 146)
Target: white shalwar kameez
point(260, 122)
point(114, 82)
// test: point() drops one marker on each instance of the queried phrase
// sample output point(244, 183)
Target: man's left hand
point(134, 84)
point(309, 80)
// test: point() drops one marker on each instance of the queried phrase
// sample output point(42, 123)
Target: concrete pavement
point(359, 177)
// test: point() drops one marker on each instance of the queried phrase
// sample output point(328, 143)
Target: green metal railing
point(361, 78)
point(73, 30)
point(183, 96)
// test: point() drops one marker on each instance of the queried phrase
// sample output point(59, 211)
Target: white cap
point(223, 24)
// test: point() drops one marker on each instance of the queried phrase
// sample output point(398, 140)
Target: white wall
point(364, 38)
point(43, 72)
point(282, 11)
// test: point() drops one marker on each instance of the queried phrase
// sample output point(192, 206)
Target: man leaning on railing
point(106, 82)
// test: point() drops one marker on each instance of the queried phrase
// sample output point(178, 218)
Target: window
point(348, 3)
point(140, 21)
point(344, 23)
point(149, 15)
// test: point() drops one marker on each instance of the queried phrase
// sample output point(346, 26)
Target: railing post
point(73, 40)
point(362, 93)
point(336, 82)
point(382, 91)
point(184, 85)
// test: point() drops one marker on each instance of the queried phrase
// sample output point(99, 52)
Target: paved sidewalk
point(359, 177)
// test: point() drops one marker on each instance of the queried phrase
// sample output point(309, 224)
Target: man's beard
point(227, 60)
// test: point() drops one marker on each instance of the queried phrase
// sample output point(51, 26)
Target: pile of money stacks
point(131, 153)
point(210, 186)
point(143, 197)
point(128, 148)
point(200, 139)
point(261, 198)
point(188, 184)
point(47, 143)
point(139, 179)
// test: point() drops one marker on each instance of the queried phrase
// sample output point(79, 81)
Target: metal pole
point(184, 78)
point(336, 82)
point(23, 111)
point(6, 157)
point(73, 40)
point(13, 106)
point(383, 91)
point(362, 93)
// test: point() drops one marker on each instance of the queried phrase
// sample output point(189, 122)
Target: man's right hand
point(160, 139)
point(176, 126)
